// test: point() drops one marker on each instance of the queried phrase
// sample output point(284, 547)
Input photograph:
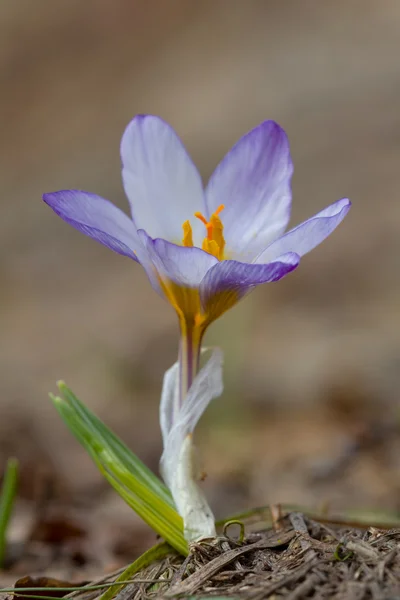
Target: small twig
point(226, 547)
point(386, 562)
point(286, 580)
point(300, 527)
point(179, 573)
point(126, 592)
point(228, 575)
point(304, 588)
point(298, 523)
point(362, 549)
point(276, 516)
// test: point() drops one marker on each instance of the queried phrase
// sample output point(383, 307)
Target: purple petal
point(309, 234)
point(163, 186)
point(253, 182)
point(96, 217)
point(182, 265)
point(229, 280)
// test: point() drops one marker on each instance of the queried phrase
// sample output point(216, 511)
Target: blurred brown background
point(310, 411)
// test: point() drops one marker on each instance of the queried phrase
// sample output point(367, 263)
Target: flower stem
point(192, 505)
point(189, 356)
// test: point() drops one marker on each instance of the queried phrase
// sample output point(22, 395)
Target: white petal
point(309, 234)
point(253, 183)
point(163, 186)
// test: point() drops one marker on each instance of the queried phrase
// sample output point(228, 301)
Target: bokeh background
point(310, 410)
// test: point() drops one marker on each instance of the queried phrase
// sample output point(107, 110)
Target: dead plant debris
point(304, 558)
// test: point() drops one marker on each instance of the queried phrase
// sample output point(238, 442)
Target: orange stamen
point(198, 215)
point(209, 224)
point(214, 243)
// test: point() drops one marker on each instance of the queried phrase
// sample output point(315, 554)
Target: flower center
point(214, 242)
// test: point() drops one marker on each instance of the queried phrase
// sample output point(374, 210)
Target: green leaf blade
point(131, 479)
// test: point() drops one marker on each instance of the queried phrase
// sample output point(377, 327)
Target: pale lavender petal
point(96, 217)
point(230, 280)
point(309, 234)
point(253, 182)
point(182, 265)
point(163, 186)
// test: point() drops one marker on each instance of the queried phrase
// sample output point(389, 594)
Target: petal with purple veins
point(309, 234)
point(227, 282)
point(96, 217)
point(253, 182)
point(184, 266)
point(175, 272)
point(163, 186)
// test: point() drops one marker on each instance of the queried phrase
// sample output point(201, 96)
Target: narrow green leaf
point(155, 553)
point(159, 515)
point(126, 456)
point(132, 480)
point(8, 493)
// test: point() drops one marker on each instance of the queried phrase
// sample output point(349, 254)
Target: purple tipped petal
point(184, 266)
point(309, 234)
point(96, 217)
point(162, 184)
point(229, 280)
point(253, 182)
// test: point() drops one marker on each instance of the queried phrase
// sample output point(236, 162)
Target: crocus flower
point(202, 249)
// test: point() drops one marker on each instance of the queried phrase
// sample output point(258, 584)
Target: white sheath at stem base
point(190, 501)
point(178, 465)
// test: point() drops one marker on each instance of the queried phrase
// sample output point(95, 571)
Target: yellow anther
point(211, 247)
point(218, 232)
point(214, 243)
point(187, 234)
